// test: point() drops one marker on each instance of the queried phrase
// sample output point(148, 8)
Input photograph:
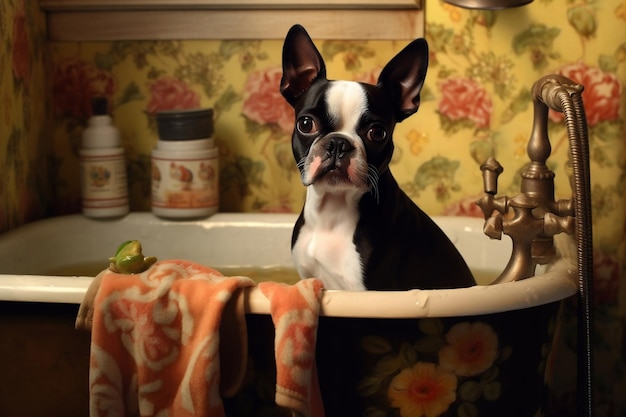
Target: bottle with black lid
point(185, 165)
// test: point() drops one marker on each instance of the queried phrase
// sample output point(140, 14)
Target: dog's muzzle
point(336, 159)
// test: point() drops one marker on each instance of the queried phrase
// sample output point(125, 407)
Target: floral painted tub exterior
point(480, 351)
point(489, 365)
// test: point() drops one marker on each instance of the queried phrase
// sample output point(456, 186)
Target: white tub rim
point(532, 292)
point(556, 284)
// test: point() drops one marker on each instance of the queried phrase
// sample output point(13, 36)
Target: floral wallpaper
point(476, 104)
point(26, 188)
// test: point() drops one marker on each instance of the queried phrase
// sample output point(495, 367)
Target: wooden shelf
point(101, 20)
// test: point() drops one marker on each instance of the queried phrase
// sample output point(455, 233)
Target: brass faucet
point(532, 217)
point(536, 217)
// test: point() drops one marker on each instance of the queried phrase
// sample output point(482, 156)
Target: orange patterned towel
point(156, 338)
point(295, 310)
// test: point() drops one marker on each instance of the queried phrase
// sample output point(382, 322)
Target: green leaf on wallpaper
point(486, 18)
point(139, 52)
point(536, 35)
point(361, 48)
point(438, 37)
point(203, 69)
point(445, 72)
point(608, 63)
point(255, 129)
point(450, 126)
point(427, 94)
point(121, 50)
point(165, 47)
point(259, 204)
point(226, 100)
point(607, 131)
point(583, 19)
point(242, 172)
point(354, 52)
point(283, 155)
point(518, 105)
point(604, 200)
point(230, 48)
point(538, 39)
point(620, 53)
point(494, 69)
point(247, 61)
point(139, 172)
point(439, 172)
point(481, 150)
point(104, 61)
point(599, 155)
point(130, 93)
point(253, 170)
point(154, 73)
point(248, 52)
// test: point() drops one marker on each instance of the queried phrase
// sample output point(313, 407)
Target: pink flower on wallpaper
point(170, 94)
point(465, 99)
point(75, 82)
point(465, 207)
point(21, 50)
point(606, 277)
point(265, 104)
point(601, 96)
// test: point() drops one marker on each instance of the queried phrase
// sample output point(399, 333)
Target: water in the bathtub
point(258, 274)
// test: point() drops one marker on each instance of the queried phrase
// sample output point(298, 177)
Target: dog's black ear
point(404, 77)
point(302, 64)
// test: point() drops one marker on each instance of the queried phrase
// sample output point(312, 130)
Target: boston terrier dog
point(358, 230)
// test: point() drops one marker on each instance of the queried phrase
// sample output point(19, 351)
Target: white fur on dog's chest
point(325, 248)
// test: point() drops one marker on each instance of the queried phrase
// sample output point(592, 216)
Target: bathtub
point(366, 340)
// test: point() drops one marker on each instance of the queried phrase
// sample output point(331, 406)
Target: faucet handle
point(553, 224)
point(491, 169)
point(493, 227)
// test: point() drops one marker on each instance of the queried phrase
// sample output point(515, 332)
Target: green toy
point(128, 259)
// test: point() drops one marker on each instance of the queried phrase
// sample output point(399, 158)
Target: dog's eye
point(376, 133)
point(306, 125)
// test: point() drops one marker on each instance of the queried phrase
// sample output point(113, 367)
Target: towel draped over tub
point(156, 338)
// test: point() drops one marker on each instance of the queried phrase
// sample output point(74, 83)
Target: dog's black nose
point(337, 147)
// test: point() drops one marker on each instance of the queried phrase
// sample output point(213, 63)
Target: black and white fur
point(357, 229)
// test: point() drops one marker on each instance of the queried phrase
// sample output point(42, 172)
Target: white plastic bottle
point(103, 166)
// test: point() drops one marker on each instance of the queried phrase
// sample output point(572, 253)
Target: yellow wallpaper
point(475, 104)
point(26, 189)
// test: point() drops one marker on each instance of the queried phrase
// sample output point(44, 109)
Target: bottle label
point(185, 182)
point(104, 181)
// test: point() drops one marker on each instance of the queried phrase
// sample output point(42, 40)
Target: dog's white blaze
point(346, 102)
point(325, 247)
